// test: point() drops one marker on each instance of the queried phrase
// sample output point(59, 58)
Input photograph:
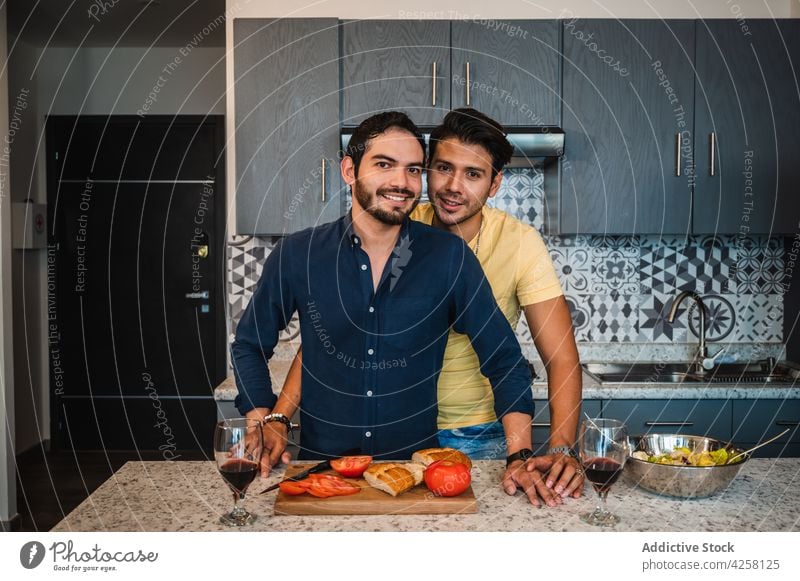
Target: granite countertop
point(190, 496)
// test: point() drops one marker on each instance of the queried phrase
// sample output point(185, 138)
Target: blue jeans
point(479, 442)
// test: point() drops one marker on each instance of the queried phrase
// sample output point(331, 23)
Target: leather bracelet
point(282, 419)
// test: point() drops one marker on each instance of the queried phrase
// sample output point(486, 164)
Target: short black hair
point(376, 125)
point(473, 127)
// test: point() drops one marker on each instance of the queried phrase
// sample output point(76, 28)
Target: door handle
point(197, 295)
point(323, 180)
point(713, 147)
point(669, 424)
point(433, 84)
point(468, 85)
point(678, 154)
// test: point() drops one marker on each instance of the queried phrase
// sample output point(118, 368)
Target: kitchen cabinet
point(747, 118)
point(511, 73)
point(672, 416)
point(758, 420)
point(628, 100)
point(401, 65)
point(541, 421)
point(287, 124)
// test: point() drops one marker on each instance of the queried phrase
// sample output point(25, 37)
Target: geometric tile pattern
point(760, 318)
point(521, 194)
point(618, 288)
point(614, 318)
point(721, 317)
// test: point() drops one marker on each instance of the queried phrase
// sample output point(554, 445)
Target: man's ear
point(348, 170)
point(498, 179)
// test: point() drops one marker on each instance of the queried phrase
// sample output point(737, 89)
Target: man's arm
point(268, 313)
point(551, 329)
point(275, 433)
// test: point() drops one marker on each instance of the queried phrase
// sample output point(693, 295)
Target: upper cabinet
point(426, 68)
point(747, 127)
point(395, 65)
point(287, 124)
point(628, 96)
point(509, 71)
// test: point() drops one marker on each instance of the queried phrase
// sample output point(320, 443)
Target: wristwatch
point(523, 455)
point(566, 450)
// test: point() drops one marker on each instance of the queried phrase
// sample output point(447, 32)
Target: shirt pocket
point(409, 323)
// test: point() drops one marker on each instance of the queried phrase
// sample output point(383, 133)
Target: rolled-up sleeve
point(268, 313)
point(477, 315)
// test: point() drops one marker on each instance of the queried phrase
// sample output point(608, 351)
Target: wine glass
point(603, 450)
point(237, 449)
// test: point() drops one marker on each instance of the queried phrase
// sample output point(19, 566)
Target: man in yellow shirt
point(467, 154)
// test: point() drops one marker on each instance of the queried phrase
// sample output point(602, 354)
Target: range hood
point(531, 144)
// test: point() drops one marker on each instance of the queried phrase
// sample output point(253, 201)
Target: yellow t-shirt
point(518, 267)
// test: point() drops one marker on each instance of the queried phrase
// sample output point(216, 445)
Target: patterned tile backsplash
point(620, 288)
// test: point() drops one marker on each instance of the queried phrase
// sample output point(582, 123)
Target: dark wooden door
point(135, 272)
point(748, 102)
point(628, 95)
point(513, 70)
point(287, 124)
point(389, 65)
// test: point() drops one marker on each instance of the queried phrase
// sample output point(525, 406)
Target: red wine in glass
point(239, 473)
point(238, 444)
point(602, 473)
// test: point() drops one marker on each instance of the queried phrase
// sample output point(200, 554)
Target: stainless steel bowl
point(680, 481)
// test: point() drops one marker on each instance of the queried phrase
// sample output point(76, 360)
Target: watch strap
point(523, 455)
point(566, 450)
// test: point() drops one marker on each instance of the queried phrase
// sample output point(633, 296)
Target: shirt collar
point(352, 240)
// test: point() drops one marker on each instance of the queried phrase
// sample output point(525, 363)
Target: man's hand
point(530, 477)
point(565, 476)
point(274, 447)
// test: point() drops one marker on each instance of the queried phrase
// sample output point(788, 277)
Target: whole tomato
point(446, 478)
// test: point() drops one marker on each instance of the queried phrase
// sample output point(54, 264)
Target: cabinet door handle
point(539, 425)
point(678, 154)
point(669, 424)
point(713, 147)
point(433, 84)
point(468, 85)
point(323, 180)
point(783, 423)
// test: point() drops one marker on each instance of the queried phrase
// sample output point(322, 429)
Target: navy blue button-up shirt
point(371, 359)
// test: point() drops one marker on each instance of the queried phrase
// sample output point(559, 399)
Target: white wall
point(8, 488)
point(469, 9)
point(89, 81)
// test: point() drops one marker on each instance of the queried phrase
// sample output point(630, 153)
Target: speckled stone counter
point(190, 496)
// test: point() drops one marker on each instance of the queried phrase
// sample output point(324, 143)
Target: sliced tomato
point(319, 490)
point(293, 488)
point(351, 466)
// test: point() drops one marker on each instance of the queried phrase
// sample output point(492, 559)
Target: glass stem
point(238, 502)
point(603, 506)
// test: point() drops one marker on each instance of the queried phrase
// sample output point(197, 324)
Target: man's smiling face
point(389, 181)
point(460, 180)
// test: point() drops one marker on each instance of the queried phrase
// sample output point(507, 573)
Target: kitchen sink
point(747, 373)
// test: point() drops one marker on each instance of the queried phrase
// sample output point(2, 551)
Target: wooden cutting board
point(418, 500)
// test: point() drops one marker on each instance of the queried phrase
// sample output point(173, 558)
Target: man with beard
point(377, 295)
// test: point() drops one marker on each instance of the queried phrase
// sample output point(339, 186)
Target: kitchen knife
point(321, 467)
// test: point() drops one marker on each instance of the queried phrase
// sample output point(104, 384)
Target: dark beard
point(392, 217)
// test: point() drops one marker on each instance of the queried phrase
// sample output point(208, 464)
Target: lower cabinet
point(758, 420)
point(541, 421)
point(710, 418)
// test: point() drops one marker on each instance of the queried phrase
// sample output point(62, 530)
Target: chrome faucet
point(703, 360)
